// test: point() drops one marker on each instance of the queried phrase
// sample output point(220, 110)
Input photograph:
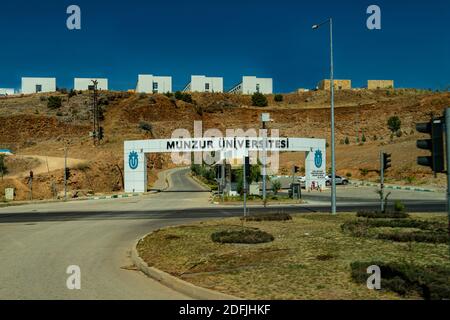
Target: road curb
point(200, 182)
point(175, 283)
point(114, 196)
point(393, 187)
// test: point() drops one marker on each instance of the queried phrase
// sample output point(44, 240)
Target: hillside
point(28, 127)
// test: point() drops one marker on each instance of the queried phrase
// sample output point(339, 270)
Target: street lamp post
point(333, 160)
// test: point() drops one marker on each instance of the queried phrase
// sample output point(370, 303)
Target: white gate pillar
point(135, 167)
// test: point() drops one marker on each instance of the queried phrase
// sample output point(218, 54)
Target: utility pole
point(265, 117)
point(333, 151)
point(94, 111)
point(244, 183)
point(447, 151)
point(223, 179)
point(65, 173)
point(30, 182)
point(381, 181)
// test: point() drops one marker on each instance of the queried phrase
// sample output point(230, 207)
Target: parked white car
point(339, 180)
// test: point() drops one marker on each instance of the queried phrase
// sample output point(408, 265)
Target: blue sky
point(121, 39)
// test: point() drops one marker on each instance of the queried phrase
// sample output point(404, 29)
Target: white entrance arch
point(135, 163)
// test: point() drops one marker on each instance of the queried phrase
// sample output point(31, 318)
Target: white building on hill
point(84, 83)
point(6, 91)
point(250, 85)
point(204, 84)
point(149, 83)
point(37, 85)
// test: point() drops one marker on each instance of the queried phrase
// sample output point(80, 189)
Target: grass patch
point(241, 236)
point(309, 257)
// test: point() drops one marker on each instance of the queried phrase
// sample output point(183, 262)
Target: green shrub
point(259, 100)
point(394, 124)
point(431, 282)
point(72, 93)
point(278, 97)
point(363, 171)
point(249, 236)
point(276, 186)
point(54, 102)
point(145, 126)
point(186, 97)
point(399, 206)
point(82, 166)
point(268, 217)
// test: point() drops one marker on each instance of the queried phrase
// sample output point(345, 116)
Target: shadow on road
point(196, 213)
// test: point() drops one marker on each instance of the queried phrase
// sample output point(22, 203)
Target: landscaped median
point(306, 256)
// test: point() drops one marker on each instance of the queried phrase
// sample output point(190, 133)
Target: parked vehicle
point(339, 180)
point(302, 181)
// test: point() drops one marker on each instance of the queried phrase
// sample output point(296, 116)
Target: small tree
point(146, 127)
point(363, 138)
point(276, 186)
point(54, 102)
point(259, 100)
point(3, 168)
point(346, 141)
point(394, 124)
point(278, 97)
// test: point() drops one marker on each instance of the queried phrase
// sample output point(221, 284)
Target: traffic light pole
point(244, 185)
point(65, 173)
point(381, 181)
point(447, 150)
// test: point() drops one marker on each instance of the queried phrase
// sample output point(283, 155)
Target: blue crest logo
point(133, 160)
point(318, 158)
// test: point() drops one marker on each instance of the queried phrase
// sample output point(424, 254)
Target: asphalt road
point(38, 242)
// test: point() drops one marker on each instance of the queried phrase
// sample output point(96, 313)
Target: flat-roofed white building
point(204, 84)
point(84, 83)
point(250, 85)
point(37, 85)
point(148, 83)
point(7, 91)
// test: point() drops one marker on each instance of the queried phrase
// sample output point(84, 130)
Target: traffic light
point(435, 144)
point(100, 133)
point(295, 169)
point(386, 161)
point(247, 167)
point(67, 173)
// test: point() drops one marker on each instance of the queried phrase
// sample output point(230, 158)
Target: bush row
point(381, 215)
point(431, 231)
point(249, 236)
point(430, 282)
point(268, 217)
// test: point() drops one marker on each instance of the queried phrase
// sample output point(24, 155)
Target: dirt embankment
point(30, 128)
